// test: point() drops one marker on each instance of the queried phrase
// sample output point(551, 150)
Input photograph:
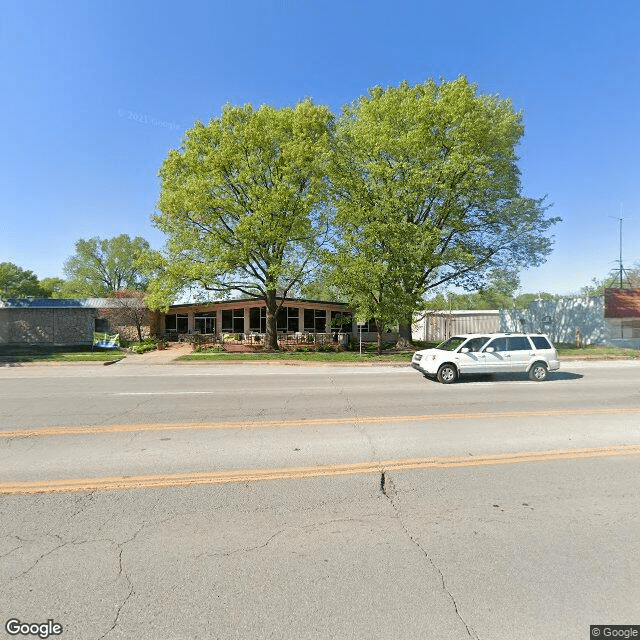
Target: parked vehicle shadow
point(498, 377)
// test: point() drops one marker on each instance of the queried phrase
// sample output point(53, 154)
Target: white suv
point(530, 353)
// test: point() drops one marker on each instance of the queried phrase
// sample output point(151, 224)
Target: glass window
point(368, 327)
point(309, 320)
point(321, 320)
point(101, 325)
point(206, 322)
point(227, 320)
point(258, 319)
point(281, 322)
point(182, 322)
point(499, 344)
point(451, 344)
point(293, 319)
point(540, 342)
point(518, 343)
point(315, 320)
point(475, 344)
point(170, 322)
point(238, 320)
point(342, 320)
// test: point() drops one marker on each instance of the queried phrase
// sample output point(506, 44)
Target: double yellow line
point(155, 481)
point(257, 475)
point(310, 422)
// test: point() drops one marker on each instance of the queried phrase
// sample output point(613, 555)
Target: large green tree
point(243, 205)
point(428, 193)
point(101, 266)
point(16, 282)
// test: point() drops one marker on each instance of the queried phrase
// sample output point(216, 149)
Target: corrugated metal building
point(436, 326)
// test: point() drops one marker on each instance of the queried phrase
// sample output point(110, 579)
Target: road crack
point(388, 490)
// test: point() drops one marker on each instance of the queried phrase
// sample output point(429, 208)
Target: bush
point(149, 344)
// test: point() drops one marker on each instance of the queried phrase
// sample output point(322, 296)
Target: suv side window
point(540, 342)
point(518, 343)
point(499, 344)
point(475, 344)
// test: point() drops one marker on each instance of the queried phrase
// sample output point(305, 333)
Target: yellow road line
point(304, 422)
point(257, 475)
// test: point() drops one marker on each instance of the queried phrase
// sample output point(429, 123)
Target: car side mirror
point(489, 349)
point(464, 350)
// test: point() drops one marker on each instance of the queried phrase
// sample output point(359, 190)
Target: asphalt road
point(271, 501)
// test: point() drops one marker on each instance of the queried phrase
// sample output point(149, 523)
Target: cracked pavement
point(505, 552)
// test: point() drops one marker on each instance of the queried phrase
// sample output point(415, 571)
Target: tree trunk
point(271, 337)
point(379, 330)
point(405, 338)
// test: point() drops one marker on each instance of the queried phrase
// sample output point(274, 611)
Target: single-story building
point(72, 322)
point(60, 322)
point(249, 317)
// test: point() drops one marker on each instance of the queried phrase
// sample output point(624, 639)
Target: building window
point(101, 325)
point(227, 320)
point(206, 322)
point(630, 328)
point(369, 326)
point(258, 319)
point(178, 322)
point(315, 320)
point(342, 320)
point(288, 319)
point(233, 320)
point(238, 320)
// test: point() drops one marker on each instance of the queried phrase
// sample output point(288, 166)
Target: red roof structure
point(622, 303)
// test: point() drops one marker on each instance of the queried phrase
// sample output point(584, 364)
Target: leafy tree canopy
point(101, 266)
point(242, 204)
point(16, 282)
point(427, 193)
point(54, 287)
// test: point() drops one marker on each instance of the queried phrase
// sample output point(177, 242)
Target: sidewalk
point(174, 350)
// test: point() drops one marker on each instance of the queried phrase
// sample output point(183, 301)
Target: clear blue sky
point(94, 94)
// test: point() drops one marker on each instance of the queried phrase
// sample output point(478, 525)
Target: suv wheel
point(538, 371)
point(447, 374)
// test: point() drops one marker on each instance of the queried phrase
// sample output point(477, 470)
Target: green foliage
point(242, 204)
point(100, 267)
point(54, 287)
point(142, 346)
point(499, 292)
point(427, 192)
point(16, 282)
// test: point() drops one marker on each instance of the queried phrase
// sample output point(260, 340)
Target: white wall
point(562, 317)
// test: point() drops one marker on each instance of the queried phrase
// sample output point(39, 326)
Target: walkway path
point(173, 351)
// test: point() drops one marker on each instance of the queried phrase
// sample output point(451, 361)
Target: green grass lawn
point(369, 356)
point(594, 350)
point(344, 356)
point(57, 354)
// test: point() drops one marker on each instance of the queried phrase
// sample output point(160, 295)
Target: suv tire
point(538, 371)
point(447, 374)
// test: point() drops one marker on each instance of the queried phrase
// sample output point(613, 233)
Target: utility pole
point(621, 269)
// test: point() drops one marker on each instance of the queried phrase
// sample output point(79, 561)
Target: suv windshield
point(451, 344)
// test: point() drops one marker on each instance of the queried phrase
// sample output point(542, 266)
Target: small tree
point(128, 310)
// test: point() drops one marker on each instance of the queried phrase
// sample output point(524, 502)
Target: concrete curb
point(288, 363)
